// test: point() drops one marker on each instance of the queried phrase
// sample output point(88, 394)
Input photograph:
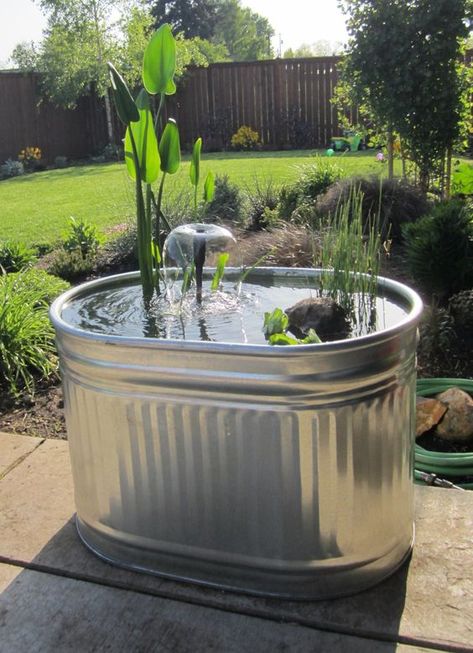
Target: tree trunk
point(448, 173)
point(403, 160)
point(108, 114)
point(390, 154)
point(424, 180)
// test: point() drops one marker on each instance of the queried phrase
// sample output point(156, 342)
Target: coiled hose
point(453, 465)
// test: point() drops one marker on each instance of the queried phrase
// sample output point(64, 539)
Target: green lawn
point(36, 208)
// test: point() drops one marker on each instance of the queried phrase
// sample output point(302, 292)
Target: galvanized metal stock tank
point(282, 471)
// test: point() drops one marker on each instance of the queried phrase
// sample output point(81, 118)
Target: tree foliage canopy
point(245, 34)
point(189, 17)
point(404, 63)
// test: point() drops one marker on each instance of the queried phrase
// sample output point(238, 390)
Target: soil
point(39, 416)
point(43, 414)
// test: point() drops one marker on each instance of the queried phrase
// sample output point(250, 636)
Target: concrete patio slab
point(43, 612)
point(13, 448)
point(427, 604)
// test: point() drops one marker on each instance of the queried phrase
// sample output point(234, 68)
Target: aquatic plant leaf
point(145, 141)
point(219, 271)
point(159, 62)
point(282, 339)
point(124, 103)
point(275, 323)
point(194, 171)
point(311, 338)
point(209, 187)
point(170, 148)
point(156, 254)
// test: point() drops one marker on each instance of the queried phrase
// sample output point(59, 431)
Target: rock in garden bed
point(445, 423)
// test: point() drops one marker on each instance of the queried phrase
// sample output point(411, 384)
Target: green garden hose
point(453, 465)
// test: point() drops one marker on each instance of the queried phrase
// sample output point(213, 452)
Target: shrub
point(227, 202)
point(120, 251)
point(437, 346)
point(30, 157)
point(47, 286)
point(263, 200)
point(112, 152)
point(27, 351)
point(11, 169)
point(71, 265)
point(439, 249)
point(245, 139)
point(313, 180)
point(61, 162)
point(394, 200)
point(15, 256)
point(82, 237)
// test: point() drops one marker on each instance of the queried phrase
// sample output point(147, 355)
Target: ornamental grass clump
point(27, 349)
point(152, 151)
point(350, 249)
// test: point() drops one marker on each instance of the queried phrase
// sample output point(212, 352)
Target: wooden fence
point(287, 101)
point(27, 120)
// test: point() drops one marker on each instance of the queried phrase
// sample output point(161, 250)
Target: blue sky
point(295, 22)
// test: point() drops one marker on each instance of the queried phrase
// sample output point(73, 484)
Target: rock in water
point(429, 412)
point(328, 319)
point(457, 423)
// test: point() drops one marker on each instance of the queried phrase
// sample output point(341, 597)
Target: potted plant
point(284, 471)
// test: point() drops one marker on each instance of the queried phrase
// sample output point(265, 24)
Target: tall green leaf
point(125, 105)
point(146, 143)
point(194, 171)
point(209, 187)
point(170, 148)
point(159, 62)
point(219, 271)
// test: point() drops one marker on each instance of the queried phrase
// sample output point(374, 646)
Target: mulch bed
point(39, 416)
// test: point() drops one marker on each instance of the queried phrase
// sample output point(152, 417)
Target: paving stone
point(13, 448)
point(429, 602)
point(42, 612)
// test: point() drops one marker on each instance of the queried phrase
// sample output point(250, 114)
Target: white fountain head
point(180, 245)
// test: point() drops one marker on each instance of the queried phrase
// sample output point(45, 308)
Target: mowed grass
point(36, 208)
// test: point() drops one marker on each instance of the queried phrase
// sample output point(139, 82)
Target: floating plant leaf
point(275, 323)
point(282, 339)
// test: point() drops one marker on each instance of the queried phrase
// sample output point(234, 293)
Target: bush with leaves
point(11, 168)
point(15, 256)
point(61, 162)
point(71, 266)
point(245, 139)
point(313, 180)
point(30, 157)
point(82, 237)
point(227, 202)
point(262, 199)
point(439, 249)
point(27, 350)
point(394, 200)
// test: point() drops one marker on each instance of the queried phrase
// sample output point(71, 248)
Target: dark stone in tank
point(328, 319)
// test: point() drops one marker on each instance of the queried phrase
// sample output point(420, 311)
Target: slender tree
point(404, 64)
point(81, 36)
